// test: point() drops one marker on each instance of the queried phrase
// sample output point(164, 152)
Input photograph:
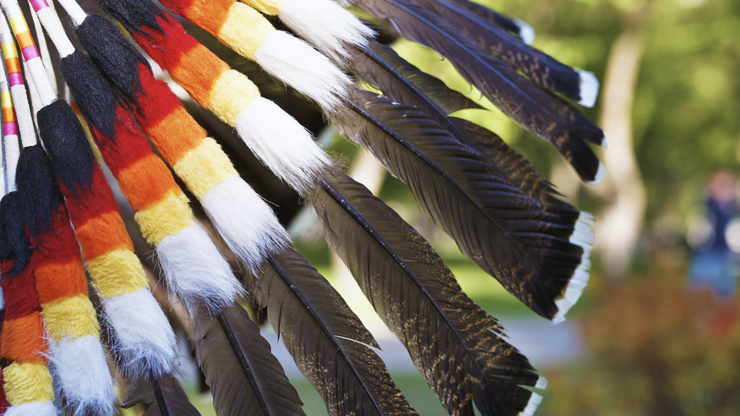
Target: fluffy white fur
point(33, 409)
point(81, 367)
point(299, 65)
point(12, 153)
point(196, 271)
point(534, 402)
point(143, 338)
point(600, 173)
point(583, 236)
point(56, 32)
point(245, 221)
point(589, 88)
point(281, 143)
point(525, 32)
point(326, 25)
point(23, 114)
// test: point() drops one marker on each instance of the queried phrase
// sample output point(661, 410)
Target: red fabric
point(91, 203)
point(156, 101)
point(20, 292)
point(166, 46)
point(129, 145)
point(59, 244)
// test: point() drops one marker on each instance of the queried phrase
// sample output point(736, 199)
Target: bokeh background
point(648, 337)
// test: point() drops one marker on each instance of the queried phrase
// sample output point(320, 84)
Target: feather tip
point(589, 88)
point(526, 32)
point(534, 402)
point(583, 236)
point(600, 173)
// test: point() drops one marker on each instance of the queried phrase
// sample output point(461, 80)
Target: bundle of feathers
point(104, 159)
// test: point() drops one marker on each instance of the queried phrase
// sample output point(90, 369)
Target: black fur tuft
point(113, 53)
point(14, 243)
point(69, 150)
point(134, 15)
point(38, 189)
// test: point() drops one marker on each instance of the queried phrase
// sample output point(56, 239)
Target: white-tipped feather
point(33, 409)
point(245, 222)
point(541, 383)
point(81, 368)
point(143, 338)
point(299, 65)
point(326, 25)
point(281, 143)
point(534, 402)
point(605, 142)
point(583, 236)
point(600, 173)
point(525, 32)
point(196, 271)
point(589, 88)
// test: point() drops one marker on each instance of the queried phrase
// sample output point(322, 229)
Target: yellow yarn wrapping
point(230, 95)
point(245, 30)
point(70, 317)
point(27, 383)
point(199, 180)
point(167, 217)
point(117, 273)
point(269, 7)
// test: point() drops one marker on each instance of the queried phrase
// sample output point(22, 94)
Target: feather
point(404, 83)
point(162, 395)
point(521, 241)
point(544, 70)
point(245, 378)
point(542, 113)
point(314, 321)
point(516, 26)
point(458, 348)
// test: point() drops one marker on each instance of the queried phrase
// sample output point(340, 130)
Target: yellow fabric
point(245, 30)
point(269, 7)
point(71, 317)
point(27, 382)
point(167, 217)
point(204, 167)
point(117, 273)
point(230, 95)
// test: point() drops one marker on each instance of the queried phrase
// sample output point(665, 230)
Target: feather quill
point(540, 112)
point(521, 241)
point(314, 321)
point(457, 347)
point(245, 378)
point(163, 396)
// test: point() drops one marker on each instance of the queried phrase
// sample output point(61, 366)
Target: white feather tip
point(582, 236)
point(196, 271)
point(532, 404)
point(525, 32)
point(600, 173)
point(589, 88)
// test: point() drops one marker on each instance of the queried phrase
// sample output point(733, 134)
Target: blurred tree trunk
point(623, 190)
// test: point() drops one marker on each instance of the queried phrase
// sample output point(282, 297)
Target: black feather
point(38, 188)
point(68, 148)
point(518, 97)
point(314, 321)
point(163, 396)
point(490, 16)
point(544, 70)
point(402, 82)
point(457, 347)
point(245, 378)
point(117, 58)
point(15, 244)
point(134, 15)
point(521, 241)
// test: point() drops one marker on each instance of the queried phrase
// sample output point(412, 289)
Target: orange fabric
point(60, 280)
point(24, 39)
point(197, 70)
point(176, 134)
point(13, 65)
point(209, 14)
point(24, 339)
point(146, 181)
point(102, 234)
point(8, 115)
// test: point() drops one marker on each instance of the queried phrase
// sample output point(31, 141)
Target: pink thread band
point(30, 52)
